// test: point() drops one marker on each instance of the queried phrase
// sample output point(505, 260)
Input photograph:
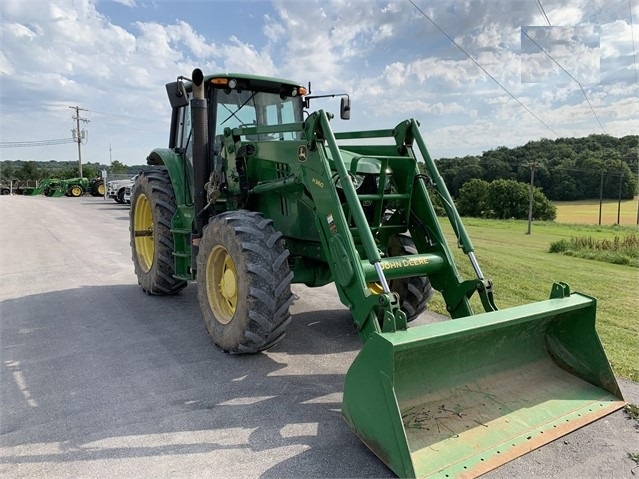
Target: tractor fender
point(180, 169)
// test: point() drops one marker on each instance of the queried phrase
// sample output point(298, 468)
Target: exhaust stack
point(200, 127)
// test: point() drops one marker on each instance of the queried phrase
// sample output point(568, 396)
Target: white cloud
point(19, 31)
point(5, 66)
point(565, 15)
point(384, 31)
point(197, 44)
point(243, 57)
point(273, 30)
point(560, 54)
point(386, 54)
point(617, 38)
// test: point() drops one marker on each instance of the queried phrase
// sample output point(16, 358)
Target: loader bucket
point(461, 397)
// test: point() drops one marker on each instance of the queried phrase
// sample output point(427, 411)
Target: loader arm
point(354, 272)
point(350, 244)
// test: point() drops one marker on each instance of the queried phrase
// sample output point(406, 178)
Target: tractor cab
point(245, 108)
point(240, 101)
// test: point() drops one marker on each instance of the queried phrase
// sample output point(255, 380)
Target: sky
point(476, 74)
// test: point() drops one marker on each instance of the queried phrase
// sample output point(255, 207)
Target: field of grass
point(587, 212)
point(523, 271)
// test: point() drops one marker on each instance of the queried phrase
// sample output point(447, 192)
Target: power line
point(568, 73)
point(481, 67)
point(543, 12)
point(28, 144)
point(589, 171)
point(116, 115)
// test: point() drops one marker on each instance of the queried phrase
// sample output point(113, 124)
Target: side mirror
point(177, 94)
point(345, 108)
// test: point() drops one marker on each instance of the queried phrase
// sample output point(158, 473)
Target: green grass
point(632, 410)
point(523, 271)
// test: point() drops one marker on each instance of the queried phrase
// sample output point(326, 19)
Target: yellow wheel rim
point(221, 284)
point(101, 189)
point(143, 233)
point(76, 191)
point(375, 288)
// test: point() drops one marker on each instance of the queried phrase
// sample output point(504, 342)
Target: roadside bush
point(560, 246)
point(624, 251)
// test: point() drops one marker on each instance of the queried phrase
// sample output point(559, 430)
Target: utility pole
point(530, 200)
point(78, 135)
point(601, 194)
point(619, 202)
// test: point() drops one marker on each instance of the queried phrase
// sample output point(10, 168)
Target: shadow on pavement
point(108, 372)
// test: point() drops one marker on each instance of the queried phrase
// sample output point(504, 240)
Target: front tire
point(153, 205)
point(414, 292)
point(75, 191)
point(244, 282)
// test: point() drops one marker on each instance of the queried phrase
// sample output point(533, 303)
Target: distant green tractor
point(74, 187)
point(255, 192)
point(79, 186)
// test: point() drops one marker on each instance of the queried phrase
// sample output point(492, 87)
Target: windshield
point(252, 108)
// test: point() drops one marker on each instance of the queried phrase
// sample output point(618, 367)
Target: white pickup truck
point(116, 188)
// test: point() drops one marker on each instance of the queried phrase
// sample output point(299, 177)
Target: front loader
point(53, 187)
point(254, 193)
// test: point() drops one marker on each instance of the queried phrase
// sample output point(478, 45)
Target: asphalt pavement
point(99, 380)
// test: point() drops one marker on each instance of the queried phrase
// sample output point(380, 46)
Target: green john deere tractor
point(254, 193)
point(74, 187)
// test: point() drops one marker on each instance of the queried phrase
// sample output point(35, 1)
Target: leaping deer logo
point(302, 151)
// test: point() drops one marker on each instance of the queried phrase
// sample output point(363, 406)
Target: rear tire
point(244, 282)
point(97, 189)
point(414, 292)
point(119, 197)
point(153, 205)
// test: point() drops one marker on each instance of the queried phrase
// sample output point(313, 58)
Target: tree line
point(495, 184)
point(38, 170)
point(565, 169)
